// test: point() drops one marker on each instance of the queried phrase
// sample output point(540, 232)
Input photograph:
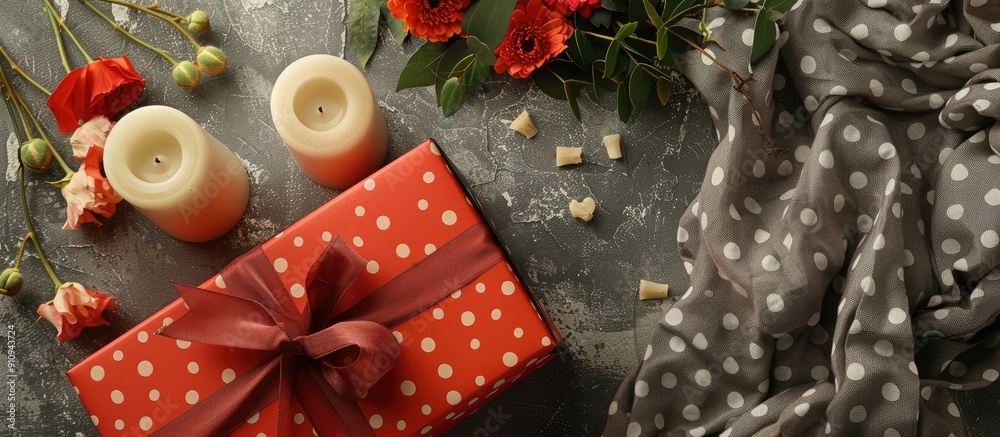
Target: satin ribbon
point(326, 355)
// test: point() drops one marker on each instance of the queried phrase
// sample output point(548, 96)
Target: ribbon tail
point(330, 415)
point(285, 384)
point(229, 407)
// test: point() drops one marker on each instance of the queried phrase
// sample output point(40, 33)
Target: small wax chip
point(523, 125)
point(568, 155)
point(652, 290)
point(613, 144)
point(582, 210)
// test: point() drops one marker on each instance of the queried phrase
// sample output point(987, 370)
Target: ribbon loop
point(354, 354)
point(336, 349)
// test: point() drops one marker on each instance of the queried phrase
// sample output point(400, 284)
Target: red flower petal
point(102, 87)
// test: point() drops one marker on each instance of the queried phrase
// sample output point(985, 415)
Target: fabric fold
point(845, 286)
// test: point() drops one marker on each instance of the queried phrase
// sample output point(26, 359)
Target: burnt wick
point(320, 109)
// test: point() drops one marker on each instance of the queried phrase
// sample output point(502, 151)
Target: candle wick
point(320, 109)
point(157, 159)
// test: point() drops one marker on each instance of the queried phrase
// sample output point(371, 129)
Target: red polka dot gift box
point(389, 311)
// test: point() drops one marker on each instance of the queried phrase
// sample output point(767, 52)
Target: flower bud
point(186, 75)
point(36, 155)
point(11, 282)
point(197, 23)
point(211, 60)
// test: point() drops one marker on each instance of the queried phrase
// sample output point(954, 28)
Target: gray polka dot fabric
point(845, 286)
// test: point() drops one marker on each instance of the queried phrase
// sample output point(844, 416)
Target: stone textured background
point(585, 274)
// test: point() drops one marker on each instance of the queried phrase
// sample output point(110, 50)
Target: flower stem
point(59, 41)
point(117, 27)
point(18, 70)
point(32, 234)
point(157, 8)
point(740, 86)
point(27, 215)
point(62, 23)
point(158, 14)
point(19, 104)
point(10, 96)
point(20, 252)
point(41, 133)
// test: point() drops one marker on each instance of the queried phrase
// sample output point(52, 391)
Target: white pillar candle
point(177, 174)
point(327, 116)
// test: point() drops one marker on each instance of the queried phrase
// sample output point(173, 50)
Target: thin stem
point(33, 234)
point(20, 252)
point(680, 14)
point(157, 8)
point(129, 34)
point(41, 133)
point(10, 96)
point(159, 15)
point(739, 86)
point(597, 35)
point(27, 215)
point(703, 52)
point(18, 70)
point(608, 38)
point(19, 103)
point(62, 23)
point(59, 41)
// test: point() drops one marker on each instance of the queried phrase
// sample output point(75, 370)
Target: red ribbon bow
point(326, 356)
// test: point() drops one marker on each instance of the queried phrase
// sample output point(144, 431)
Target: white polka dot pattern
point(459, 354)
point(817, 273)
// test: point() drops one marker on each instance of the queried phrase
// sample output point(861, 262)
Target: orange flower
point(433, 20)
point(89, 192)
point(568, 7)
point(536, 34)
point(75, 308)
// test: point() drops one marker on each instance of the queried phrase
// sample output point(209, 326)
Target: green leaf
point(601, 18)
point(488, 20)
point(570, 88)
point(615, 5)
point(611, 59)
point(362, 28)
point(394, 24)
point(778, 6)
point(662, 43)
point(580, 50)
point(670, 16)
point(639, 86)
point(734, 4)
point(664, 89)
point(456, 53)
point(652, 14)
point(452, 97)
point(765, 32)
point(654, 71)
point(598, 80)
point(624, 103)
point(482, 52)
point(421, 69)
point(474, 76)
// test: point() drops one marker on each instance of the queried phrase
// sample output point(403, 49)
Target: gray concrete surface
point(584, 274)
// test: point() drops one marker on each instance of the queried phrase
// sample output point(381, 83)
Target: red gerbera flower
point(433, 20)
point(102, 87)
point(536, 34)
point(568, 7)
